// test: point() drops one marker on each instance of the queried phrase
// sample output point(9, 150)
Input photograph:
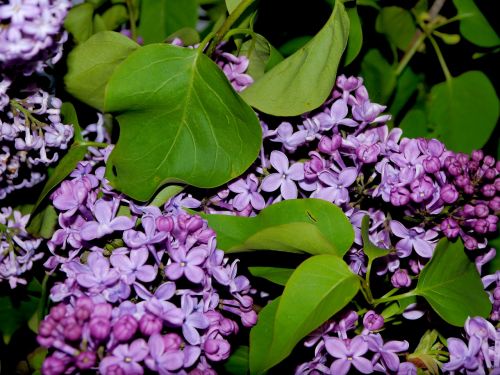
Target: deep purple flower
point(348, 352)
point(125, 328)
point(284, 179)
point(449, 194)
point(86, 360)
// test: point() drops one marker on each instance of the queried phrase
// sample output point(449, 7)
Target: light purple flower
point(336, 190)
point(98, 275)
point(386, 351)
point(127, 357)
point(161, 359)
point(150, 235)
point(415, 238)
point(105, 212)
point(289, 139)
point(134, 267)
point(284, 179)
point(193, 320)
point(246, 190)
point(335, 115)
point(187, 263)
point(348, 352)
point(463, 356)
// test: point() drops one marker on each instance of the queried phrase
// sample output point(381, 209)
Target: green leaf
point(372, 251)
point(79, 22)
point(452, 285)
point(379, 77)
point(208, 134)
point(36, 357)
point(414, 124)
point(99, 24)
point(312, 226)
point(397, 24)
point(43, 223)
point(276, 275)
point(320, 287)
point(406, 86)
point(231, 5)
point(237, 363)
point(260, 336)
point(161, 18)
point(355, 41)
point(91, 64)
point(474, 26)
point(398, 307)
point(458, 104)
point(165, 194)
point(261, 54)
point(293, 45)
point(115, 16)
point(303, 81)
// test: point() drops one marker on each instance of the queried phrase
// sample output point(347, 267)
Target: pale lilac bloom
point(134, 266)
point(285, 178)
point(348, 352)
point(148, 236)
point(409, 157)
point(368, 112)
point(193, 320)
point(387, 350)
point(161, 359)
point(188, 263)
point(247, 193)
point(290, 140)
point(463, 356)
point(415, 238)
point(98, 275)
point(335, 115)
point(407, 368)
point(105, 212)
point(336, 190)
point(70, 196)
point(312, 127)
point(127, 357)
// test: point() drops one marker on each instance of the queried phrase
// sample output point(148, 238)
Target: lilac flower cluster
point(31, 33)
point(338, 350)
point(234, 67)
point(17, 247)
point(143, 287)
point(31, 137)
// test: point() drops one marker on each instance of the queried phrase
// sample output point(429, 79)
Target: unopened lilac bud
point(100, 328)
point(53, 366)
point(489, 190)
point(83, 309)
point(400, 196)
point(85, 360)
point(489, 161)
point(401, 279)
point(470, 243)
point(497, 181)
point(472, 166)
point(216, 349)
point(462, 181)
point(150, 324)
point(46, 327)
point(58, 312)
point(431, 164)
point(164, 223)
point(496, 293)
point(450, 228)
point(373, 321)
point(481, 210)
point(190, 223)
point(492, 221)
point(463, 158)
point(325, 145)
point(469, 210)
point(477, 155)
point(249, 318)
point(453, 165)
point(449, 194)
point(368, 154)
point(172, 342)
point(206, 235)
point(102, 310)
point(73, 332)
point(469, 189)
point(494, 204)
point(125, 328)
point(313, 167)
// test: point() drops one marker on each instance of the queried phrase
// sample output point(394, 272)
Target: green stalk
point(394, 298)
point(441, 59)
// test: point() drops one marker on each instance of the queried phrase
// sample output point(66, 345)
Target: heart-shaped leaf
point(452, 285)
point(303, 81)
point(397, 24)
point(310, 225)
point(319, 288)
point(474, 26)
point(180, 121)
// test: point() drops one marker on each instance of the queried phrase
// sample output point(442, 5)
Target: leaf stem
point(441, 59)
point(398, 297)
point(93, 144)
point(233, 17)
point(131, 17)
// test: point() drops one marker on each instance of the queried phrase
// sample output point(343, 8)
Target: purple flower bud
point(83, 308)
point(373, 321)
point(422, 189)
point(497, 181)
point(46, 327)
point(368, 154)
point(217, 349)
point(172, 342)
point(72, 332)
point(453, 166)
point(401, 279)
point(462, 158)
point(102, 310)
point(468, 210)
point(400, 196)
point(449, 194)
point(472, 166)
point(469, 189)
point(313, 167)
point(99, 328)
point(481, 226)
point(477, 155)
point(470, 243)
point(450, 228)
point(431, 164)
point(489, 161)
point(53, 366)
point(489, 190)
point(462, 181)
point(150, 324)
point(125, 328)
point(494, 204)
point(481, 210)
point(58, 312)
point(249, 318)
point(496, 293)
point(85, 360)
point(325, 145)
point(164, 223)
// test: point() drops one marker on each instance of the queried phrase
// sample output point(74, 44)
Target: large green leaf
point(452, 285)
point(160, 18)
point(414, 124)
point(79, 22)
point(474, 26)
point(311, 226)
point(319, 288)
point(355, 41)
point(379, 76)
point(237, 363)
point(115, 16)
point(397, 24)
point(277, 275)
point(303, 81)
point(180, 121)
point(91, 64)
point(464, 111)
